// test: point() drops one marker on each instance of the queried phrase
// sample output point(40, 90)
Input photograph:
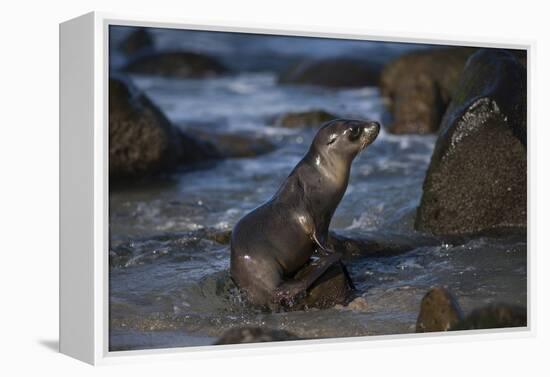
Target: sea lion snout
point(363, 131)
point(370, 132)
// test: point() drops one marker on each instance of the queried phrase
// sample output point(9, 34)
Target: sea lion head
point(343, 139)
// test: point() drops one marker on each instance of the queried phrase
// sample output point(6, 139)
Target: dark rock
point(439, 311)
point(192, 149)
point(333, 73)
point(332, 288)
point(178, 64)
point(142, 141)
point(254, 335)
point(139, 40)
point(419, 86)
point(385, 245)
point(477, 178)
point(494, 316)
point(380, 245)
point(235, 145)
point(222, 237)
point(312, 118)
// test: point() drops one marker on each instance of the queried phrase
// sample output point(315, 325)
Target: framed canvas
point(229, 189)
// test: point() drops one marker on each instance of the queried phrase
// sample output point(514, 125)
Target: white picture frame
point(84, 189)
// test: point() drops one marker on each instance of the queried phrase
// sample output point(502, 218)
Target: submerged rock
point(312, 118)
point(494, 316)
point(439, 311)
point(176, 64)
point(336, 73)
point(138, 41)
point(419, 86)
point(142, 141)
point(222, 237)
point(358, 304)
point(383, 245)
point(254, 335)
point(477, 178)
point(333, 288)
point(233, 145)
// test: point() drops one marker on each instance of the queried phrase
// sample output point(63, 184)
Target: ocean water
point(169, 284)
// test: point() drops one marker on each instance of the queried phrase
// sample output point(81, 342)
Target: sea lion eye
point(332, 138)
point(354, 133)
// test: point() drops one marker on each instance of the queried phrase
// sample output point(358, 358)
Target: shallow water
point(169, 283)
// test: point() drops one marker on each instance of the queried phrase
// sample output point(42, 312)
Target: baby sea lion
point(274, 241)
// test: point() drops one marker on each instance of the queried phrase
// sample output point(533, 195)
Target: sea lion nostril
point(372, 128)
point(374, 125)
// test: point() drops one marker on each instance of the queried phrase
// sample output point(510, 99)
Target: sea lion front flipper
point(320, 245)
point(289, 292)
point(347, 275)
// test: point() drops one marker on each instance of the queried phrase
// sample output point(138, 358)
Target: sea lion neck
point(321, 185)
point(331, 168)
point(319, 182)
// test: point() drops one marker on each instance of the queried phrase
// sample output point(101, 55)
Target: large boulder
point(477, 178)
point(176, 64)
point(142, 141)
point(335, 73)
point(419, 85)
